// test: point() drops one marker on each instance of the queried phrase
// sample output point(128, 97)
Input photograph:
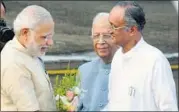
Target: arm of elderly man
point(20, 88)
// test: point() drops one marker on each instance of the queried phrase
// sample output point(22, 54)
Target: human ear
point(25, 33)
point(133, 30)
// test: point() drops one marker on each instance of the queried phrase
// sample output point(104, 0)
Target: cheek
point(103, 50)
point(115, 37)
point(34, 43)
point(30, 39)
point(119, 36)
point(40, 41)
point(95, 46)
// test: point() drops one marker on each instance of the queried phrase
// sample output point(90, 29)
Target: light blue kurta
point(94, 85)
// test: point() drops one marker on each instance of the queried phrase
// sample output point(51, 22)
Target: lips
point(102, 49)
point(44, 49)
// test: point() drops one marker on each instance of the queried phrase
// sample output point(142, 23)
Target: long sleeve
point(18, 85)
point(163, 86)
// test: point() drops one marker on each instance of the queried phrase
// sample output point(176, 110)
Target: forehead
point(45, 28)
point(116, 16)
point(101, 25)
point(101, 28)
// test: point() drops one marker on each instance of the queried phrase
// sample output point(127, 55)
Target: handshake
point(71, 99)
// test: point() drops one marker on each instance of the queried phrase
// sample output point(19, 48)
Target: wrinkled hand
point(70, 95)
point(73, 99)
point(73, 105)
point(71, 109)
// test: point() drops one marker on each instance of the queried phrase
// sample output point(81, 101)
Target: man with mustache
point(25, 86)
point(141, 78)
point(94, 75)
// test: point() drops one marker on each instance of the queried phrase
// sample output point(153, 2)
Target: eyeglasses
point(116, 28)
point(105, 37)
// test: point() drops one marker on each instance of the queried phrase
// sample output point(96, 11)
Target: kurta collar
point(20, 47)
point(104, 65)
point(134, 49)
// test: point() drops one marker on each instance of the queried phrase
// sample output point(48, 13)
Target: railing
point(60, 72)
point(75, 71)
point(78, 59)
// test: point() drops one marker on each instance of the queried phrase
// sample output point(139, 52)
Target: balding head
point(101, 20)
point(30, 17)
point(101, 37)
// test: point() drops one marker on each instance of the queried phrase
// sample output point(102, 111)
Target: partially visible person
point(3, 10)
point(6, 33)
point(94, 75)
point(25, 86)
point(141, 78)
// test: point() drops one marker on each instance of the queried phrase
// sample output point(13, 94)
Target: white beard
point(33, 48)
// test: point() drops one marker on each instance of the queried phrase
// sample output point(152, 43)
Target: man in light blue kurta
point(94, 75)
point(94, 84)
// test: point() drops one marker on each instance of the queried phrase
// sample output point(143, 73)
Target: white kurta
point(24, 84)
point(140, 80)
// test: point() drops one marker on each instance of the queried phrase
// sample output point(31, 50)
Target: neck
point(128, 46)
point(106, 60)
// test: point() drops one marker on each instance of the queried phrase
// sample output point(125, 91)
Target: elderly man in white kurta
point(25, 86)
point(141, 78)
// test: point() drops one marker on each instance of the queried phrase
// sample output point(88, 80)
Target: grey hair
point(100, 18)
point(30, 17)
point(134, 14)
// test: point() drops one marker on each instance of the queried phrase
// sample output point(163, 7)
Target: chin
point(39, 54)
point(103, 55)
point(42, 54)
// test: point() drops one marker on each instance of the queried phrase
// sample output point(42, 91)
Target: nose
point(101, 40)
point(111, 31)
point(49, 42)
